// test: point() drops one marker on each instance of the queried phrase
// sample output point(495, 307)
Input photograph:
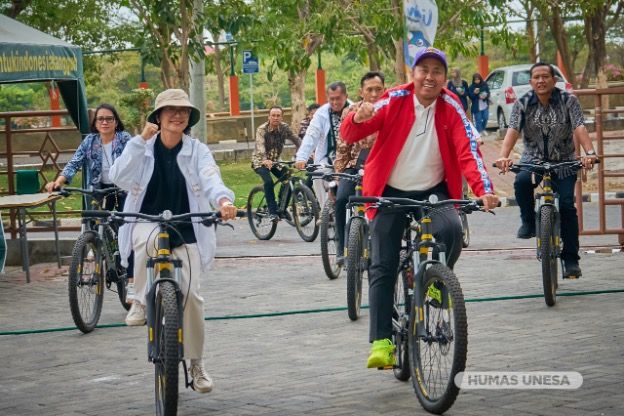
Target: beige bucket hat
point(174, 98)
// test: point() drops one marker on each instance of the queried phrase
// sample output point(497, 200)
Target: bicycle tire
point(258, 215)
point(122, 287)
point(547, 252)
point(450, 337)
point(328, 240)
point(465, 229)
point(357, 265)
point(400, 317)
point(307, 212)
point(86, 282)
point(166, 361)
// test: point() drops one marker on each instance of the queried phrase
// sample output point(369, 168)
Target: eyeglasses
point(105, 119)
point(185, 111)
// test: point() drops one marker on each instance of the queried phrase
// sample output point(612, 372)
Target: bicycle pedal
point(388, 367)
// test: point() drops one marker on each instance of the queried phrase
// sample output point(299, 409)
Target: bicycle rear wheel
point(166, 358)
point(439, 342)
point(400, 316)
point(122, 287)
point(357, 265)
point(258, 215)
point(86, 282)
point(328, 240)
point(547, 246)
point(307, 212)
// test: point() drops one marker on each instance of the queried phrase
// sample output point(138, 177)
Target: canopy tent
point(29, 55)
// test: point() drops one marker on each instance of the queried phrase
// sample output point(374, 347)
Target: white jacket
point(133, 170)
point(315, 139)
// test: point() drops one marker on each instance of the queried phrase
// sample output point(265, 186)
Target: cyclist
point(270, 139)
point(550, 120)
point(351, 157)
point(99, 150)
point(424, 145)
point(322, 134)
point(164, 168)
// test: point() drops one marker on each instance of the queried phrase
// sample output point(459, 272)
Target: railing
point(603, 173)
point(49, 152)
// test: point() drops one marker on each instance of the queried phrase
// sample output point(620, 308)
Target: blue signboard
point(250, 63)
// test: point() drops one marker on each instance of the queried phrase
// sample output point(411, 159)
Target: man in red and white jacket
point(425, 143)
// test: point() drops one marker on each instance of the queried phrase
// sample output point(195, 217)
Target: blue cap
point(430, 52)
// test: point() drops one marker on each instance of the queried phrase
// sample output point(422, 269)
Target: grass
point(239, 177)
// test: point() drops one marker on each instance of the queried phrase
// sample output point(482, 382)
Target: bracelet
point(590, 153)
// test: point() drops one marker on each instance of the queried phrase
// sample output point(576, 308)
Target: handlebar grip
point(241, 213)
point(96, 214)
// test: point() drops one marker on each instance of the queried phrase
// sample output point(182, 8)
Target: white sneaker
point(136, 315)
point(202, 382)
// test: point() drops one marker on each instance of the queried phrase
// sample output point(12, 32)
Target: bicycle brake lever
point(225, 224)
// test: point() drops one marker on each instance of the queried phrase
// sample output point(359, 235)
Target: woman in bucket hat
point(164, 168)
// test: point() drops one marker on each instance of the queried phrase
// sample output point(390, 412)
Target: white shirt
point(107, 162)
point(419, 166)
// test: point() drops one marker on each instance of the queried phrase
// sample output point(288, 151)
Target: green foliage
point(135, 106)
point(28, 96)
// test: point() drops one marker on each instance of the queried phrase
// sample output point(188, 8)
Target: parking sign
point(250, 63)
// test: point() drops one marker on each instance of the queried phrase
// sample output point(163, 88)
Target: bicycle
point(328, 234)
point(296, 204)
point(430, 328)
point(548, 222)
point(164, 302)
point(95, 263)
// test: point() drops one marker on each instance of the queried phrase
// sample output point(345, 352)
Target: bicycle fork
point(548, 198)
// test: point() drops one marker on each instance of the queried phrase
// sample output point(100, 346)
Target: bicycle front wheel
point(357, 265)
point(438, 339)
point(166, 358)
point(547, 246)
point(329, 240)
point(86, 282)
point(400, 316)
point(307, 212)
point(258, 215)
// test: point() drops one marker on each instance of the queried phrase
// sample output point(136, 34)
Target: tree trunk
point(561, 39)
point(296, 84)
point(399, 61)
point(595, 33)
point(373, 56)
point(531, 39)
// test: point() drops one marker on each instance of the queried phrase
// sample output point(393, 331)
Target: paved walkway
point(314, 363)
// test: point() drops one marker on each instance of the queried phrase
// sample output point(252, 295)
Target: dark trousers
point(524, 187)
point(345, 190)
point(386, 233)
point(267, 182)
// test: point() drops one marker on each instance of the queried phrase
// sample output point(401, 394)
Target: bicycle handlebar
point(208, 218)
point(67, 190)
point(334, 175)
point(467, 205)
point(542, 167)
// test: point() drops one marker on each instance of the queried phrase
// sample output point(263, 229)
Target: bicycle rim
point(328, 240)
point(306, 209)
point(258, 215)
point(400, 315)
point(166, 360)
point(86, 282)
point(547, 247)
point(438, 354)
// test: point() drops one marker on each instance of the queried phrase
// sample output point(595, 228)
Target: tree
point(169, 37)
point(224, 16)
point(90, 24)
point(291, 32)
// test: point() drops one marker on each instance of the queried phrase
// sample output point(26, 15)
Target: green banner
point(23, 62)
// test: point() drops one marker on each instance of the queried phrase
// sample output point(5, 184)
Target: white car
point(509, 83)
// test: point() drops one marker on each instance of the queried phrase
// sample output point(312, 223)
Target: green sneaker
point(382, 354)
